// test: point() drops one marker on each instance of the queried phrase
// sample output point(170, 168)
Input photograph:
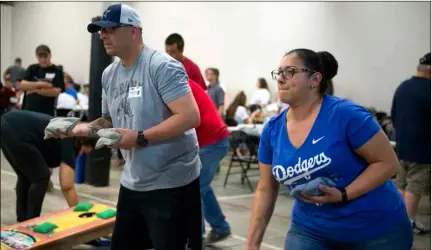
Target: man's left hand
point(128, 139)
point(330, 195)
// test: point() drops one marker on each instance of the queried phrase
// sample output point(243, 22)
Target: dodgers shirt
point(328, 151)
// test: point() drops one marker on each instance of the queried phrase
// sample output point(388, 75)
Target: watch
point(141, 140)
point(344, 195)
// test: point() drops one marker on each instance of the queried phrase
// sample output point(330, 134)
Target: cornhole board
point(74, 228)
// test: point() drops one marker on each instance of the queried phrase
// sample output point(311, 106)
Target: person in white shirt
point(237, 113)
point(262, 95)
point(83, 99)
point(65, 104)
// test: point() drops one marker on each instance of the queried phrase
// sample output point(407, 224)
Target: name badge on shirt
point(135, 92)
point(49, 76)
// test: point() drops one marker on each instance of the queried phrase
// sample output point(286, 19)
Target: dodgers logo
point(303, 169)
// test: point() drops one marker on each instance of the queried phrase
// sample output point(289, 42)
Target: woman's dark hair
point(239, 100)
point(263, 83)
point(322, 62)
point(216, 72)
point(330, 89)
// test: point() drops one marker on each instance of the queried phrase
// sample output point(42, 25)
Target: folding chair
point(237, 138)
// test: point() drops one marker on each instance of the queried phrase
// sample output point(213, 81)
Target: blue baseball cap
point(115, 15)
point(426, 59)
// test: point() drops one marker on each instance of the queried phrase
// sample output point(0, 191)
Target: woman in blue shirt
point(327, 137)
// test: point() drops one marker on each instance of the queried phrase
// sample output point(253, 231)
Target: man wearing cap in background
point(42, 83)
point(147, 99)
point(411, 115)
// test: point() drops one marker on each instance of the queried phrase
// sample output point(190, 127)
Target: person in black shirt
point(43, 82)
point(32, 157)
point(411, 116)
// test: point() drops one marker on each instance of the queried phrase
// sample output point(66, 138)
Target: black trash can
point(98, 162)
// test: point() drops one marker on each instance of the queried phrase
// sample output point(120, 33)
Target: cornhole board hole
point(73, 228)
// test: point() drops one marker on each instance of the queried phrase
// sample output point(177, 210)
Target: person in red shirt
point(174, 46)
point(6, 93)
point(214, 145)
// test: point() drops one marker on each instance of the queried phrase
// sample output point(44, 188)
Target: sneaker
point(419, 228)
point(214, 237)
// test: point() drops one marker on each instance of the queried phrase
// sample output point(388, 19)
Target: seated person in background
point(6, 94)
point(262, 95)
point(237, 113)
point(83, 102)
point(19, 139)
point(43, 82)
point(68, 77)
point(83, 99)
point(70, 90)
point(8, 82)
point(65, 104)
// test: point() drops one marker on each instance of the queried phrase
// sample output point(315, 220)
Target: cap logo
point(106, 13)
point(130, 20)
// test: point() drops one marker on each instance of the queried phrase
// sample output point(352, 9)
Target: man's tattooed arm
point(100, 123)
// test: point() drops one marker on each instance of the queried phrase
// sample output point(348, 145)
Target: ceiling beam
point(8, 3)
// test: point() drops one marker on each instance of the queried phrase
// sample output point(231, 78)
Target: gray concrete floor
point(235, 200)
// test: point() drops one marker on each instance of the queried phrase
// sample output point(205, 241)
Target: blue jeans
point(211, 156)
point(399, 237)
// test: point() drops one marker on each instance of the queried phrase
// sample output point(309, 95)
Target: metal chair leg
point(228, 173)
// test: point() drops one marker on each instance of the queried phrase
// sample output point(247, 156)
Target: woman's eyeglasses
point(289, 72)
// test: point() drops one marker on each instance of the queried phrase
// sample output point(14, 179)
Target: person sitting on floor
point(22, 134)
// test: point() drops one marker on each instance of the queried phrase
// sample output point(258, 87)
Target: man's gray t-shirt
point(217, 94)
point(16, 73)
point(136, 98)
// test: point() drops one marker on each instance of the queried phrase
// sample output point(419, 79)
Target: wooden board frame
point(65, 239)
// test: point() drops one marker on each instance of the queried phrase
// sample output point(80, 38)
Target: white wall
point(60, 25)
point(377, 44)
point(6, 38)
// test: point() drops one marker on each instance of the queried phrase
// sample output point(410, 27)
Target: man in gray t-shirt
point(139, 97)
point(147, 99)
point(217, 94)
point(15, 72)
